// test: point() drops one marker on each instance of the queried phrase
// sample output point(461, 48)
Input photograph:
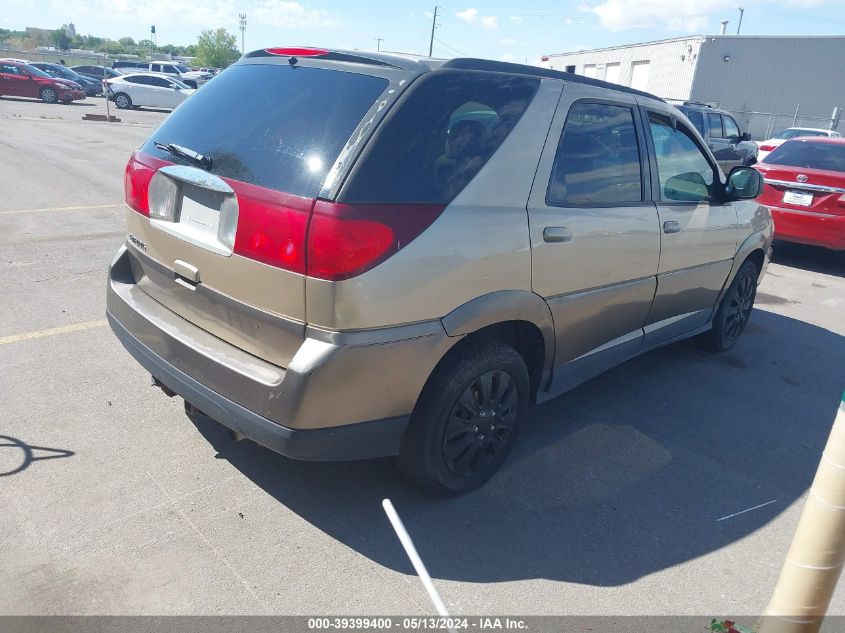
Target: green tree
point(60, 39)
point(216, 48)
point(127, 42)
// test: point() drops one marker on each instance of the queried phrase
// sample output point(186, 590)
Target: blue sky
point(510, 30)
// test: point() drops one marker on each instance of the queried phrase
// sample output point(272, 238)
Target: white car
point(147, 89)
point(769, 145)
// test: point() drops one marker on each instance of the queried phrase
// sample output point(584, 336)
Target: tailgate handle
point(186, 275)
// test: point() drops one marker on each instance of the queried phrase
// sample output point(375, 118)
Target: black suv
point(729, 144)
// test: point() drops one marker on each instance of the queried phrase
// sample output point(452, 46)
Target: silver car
point(343, 255)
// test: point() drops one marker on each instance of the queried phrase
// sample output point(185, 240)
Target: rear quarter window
point(272, 125)
point(438, 136)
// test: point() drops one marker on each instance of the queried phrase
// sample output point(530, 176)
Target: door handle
point(671, 226)
point(553, 234)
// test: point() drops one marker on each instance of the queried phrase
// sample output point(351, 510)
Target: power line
point(451, 48)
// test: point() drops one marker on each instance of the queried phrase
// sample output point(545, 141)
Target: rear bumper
point(805, 227)
point(342, 396)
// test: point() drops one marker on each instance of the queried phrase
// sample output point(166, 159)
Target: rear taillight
point(767, 148)
point(271, 226)
point(345, 240)
point(136, 184)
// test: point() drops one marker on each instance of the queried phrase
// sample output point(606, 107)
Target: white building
point(768, 82)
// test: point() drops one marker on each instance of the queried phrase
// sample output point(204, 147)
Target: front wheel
point(734, 311)
point(122, 101)
point(48, 95)
point(467, 418)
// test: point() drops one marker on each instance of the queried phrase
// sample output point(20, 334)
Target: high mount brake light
point(300, 51)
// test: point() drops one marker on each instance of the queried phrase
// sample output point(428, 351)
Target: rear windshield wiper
point(184, 152)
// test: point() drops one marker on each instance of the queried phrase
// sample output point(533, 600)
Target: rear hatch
point(222, 193)
point(807, 176)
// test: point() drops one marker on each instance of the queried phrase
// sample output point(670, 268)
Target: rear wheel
point(734, 311)
point(467, 418)
point(49, 95)
point(122, 101)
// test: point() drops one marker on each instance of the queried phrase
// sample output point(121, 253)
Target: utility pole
point(739, 26)
point(242, 20)
point(433, 24)
point(379, 40)
point(152, 42)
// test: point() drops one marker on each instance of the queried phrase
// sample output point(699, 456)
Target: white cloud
point(214, 13)
point(469, 15)
point(490, 22)
point(515, 19)
point(672, 15)
point(293, 15)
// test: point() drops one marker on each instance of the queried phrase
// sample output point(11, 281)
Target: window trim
point(642, 151)
point(657, 194)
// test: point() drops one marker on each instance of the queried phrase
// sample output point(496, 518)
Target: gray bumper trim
point(364, 440)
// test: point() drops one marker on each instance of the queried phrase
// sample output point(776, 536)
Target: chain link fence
point(762, 125)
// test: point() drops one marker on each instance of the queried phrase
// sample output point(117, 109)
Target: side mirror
point(744, 183)
point(745, 136)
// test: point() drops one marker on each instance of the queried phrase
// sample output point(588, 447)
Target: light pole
point(242, 19)
point(379, 40)
point(152, 45)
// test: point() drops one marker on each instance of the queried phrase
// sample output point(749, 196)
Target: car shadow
point(84, 102)
point(812, 258)
point(626, 475)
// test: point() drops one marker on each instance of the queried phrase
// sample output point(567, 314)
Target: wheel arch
point(519, 318)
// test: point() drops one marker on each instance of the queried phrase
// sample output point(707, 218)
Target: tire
point(445, 449)
point(122, 101)
point(734, 311)
point(49, 95)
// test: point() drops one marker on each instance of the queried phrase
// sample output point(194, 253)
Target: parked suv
point(729, 145)
point(177, 70)
point(346, 256)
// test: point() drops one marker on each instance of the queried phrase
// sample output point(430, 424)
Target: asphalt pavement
point(625, 496)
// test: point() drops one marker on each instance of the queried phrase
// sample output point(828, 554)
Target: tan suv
point(344, 256)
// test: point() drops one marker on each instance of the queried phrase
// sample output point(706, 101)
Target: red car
point(805, 191)
point(23, 80)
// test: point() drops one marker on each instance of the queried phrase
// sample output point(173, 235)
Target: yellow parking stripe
point(64, 329)
point(96, 206)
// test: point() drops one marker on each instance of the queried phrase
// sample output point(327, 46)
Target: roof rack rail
point(698, 103)
point(468, 63)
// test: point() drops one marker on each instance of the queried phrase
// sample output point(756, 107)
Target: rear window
point(810, 155)
point(793, 133)
point(438, 137)
point(276, 126)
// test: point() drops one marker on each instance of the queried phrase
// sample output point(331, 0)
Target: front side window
point(731, 128)
point(438, 137)
point(715, 125)
point(597, 160)
point(684, 172)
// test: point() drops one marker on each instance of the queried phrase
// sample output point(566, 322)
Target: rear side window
point(438, 137)
point(715, 125)
point(273, 125)
point(598, 160)
point(812, 155)
point(697, 119)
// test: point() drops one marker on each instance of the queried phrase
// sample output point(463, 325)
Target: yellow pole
point(815, 559)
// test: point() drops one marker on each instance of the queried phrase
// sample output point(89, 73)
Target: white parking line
point(64, 329)
point(735, 514)
point(95, 206)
